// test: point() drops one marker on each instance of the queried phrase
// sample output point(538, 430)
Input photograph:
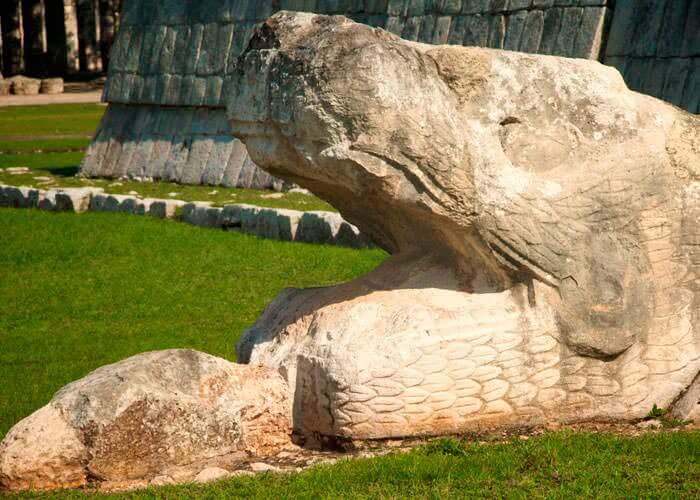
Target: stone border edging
point(271, 223)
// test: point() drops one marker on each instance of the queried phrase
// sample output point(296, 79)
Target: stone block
point(427, 29)
point(516, 5)
point(119, 50)
point(201, 214)
point(691, 39)
point(164, 209)
point(47, 202)
point(277, 224)
point(104, 202)
point(215, 167)
point(634, 72)
point(6, 86)
point(198, 157)
point(194, 49)
point(411, 28)
point(147, 50)
point(75, 199)
point(475, 6)
point(52, 86)
point(231, 216)
point(498, 6)
point(318, 227)
point(622, 28)
point(167, 52)
point(241, 36)
point(21, 85)
point(589, 39)
point(691, 94)
point(671, 38)
point(442, 30)
point(497, 31)
point(570, 28)
point(395, 25)
point(176, 163)
point(4, 199)
point(451, 7)
point(209, 50)
point(134, 53)
point(136, 91)
point(161, 152)
point(550, 30)
point(224, 44)
point(656, 81)
point(182, 49)
point(649, 15)
point(532, 32)
point(172, 12)
point(514, 32)
point(142, 152)
point(234, 166)
point(199, 92)
point(20, 197)
point(350, 236)
point(476, 31)
point(457, 31)
point(416, 8)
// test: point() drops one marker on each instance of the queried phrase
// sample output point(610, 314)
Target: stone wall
point(177, 54)
point(186, 144)
point(655, 44)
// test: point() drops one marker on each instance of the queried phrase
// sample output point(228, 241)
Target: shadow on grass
point(71, 171)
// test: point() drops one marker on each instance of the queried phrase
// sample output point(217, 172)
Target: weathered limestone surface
point(172, 413)
point(21, 85)
point(52, 86)
point(543, 222)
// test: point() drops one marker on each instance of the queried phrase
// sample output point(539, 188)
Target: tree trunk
point(108, 27)
point(35, 54)
point(13, 36)
point(70, 19)
point(89, 34)
point(55, 36)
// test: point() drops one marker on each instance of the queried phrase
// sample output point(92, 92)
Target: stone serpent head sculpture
point(543, 223)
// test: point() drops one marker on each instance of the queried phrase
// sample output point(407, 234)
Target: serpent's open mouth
point(537, 228)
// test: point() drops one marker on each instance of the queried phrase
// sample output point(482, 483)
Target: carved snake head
point(519, 169)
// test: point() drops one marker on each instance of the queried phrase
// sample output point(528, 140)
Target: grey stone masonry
point(171, 59)
point(178, 53)
point(182, 144)
point(271, 223)
point(655, 44)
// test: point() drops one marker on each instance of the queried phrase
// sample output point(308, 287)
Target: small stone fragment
point(176, 413)
point(211, 474)
point(263, 467)
point(51, 86)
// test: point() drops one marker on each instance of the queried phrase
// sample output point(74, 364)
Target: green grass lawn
point(50, 140)
point(558, 465)
point(80, 291)
point(77, 292)
point(50, 170)
point(48, 128)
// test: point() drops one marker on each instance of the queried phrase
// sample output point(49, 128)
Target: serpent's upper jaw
point(359, 127)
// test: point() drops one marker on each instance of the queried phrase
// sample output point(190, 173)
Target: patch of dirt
point(327, 451)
